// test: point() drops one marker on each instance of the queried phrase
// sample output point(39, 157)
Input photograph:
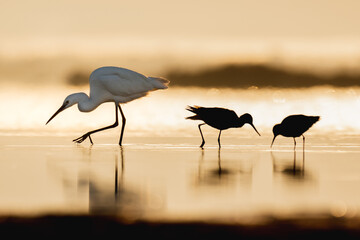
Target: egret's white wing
point(120, 81)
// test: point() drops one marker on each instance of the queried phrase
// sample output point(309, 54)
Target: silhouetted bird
point(219, 118)
point(294, 126)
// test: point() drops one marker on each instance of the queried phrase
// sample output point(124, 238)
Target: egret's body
point(294, 126)
point(112, 84)
point(219, 118)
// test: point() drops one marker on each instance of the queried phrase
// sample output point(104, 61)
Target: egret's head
point(276, 131)
point(247, 118)
point(68, 102)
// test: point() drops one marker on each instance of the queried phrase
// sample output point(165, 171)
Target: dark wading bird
point(294, 126)
point(111, 84)
point(219, 118)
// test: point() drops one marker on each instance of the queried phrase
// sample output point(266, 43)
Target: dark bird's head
point(276, 131)
point(247, 118)
point(68, 102)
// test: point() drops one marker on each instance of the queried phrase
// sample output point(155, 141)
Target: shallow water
point(171, 178)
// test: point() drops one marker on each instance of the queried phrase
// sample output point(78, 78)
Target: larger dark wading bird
point(111, 84)
point(294, 126)
point(219, 118)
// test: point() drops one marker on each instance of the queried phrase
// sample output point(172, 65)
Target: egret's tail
point(159, 83)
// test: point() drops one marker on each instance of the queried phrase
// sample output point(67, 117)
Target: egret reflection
point(119, 179)
point(120, 199)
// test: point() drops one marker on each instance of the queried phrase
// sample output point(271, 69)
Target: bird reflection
point(214, 175)
point(114, 198)
point(294, 170)
point(119, 180)
point(96, 181)
point(220, 171)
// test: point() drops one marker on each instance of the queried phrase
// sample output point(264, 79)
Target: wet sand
point(168, 185)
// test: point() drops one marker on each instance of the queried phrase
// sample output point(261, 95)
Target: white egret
point(111, 84)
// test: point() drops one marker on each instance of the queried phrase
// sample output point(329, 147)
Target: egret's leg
point(123, 125)
point(219, 139)
point(83, 137)
point(91, 140)
point(202, 137)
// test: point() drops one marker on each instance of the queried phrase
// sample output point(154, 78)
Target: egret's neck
point(85, 104)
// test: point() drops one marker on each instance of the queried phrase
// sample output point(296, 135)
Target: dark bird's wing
point(296, 125)
point(219, 118)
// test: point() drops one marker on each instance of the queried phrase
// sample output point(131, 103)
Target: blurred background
point(268, 58)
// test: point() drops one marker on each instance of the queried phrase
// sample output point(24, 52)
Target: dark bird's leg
point(202, 137)
point(83, 137)
point(201, 161)
point(303, 143)
point(123, 125)
point(219, 163)
point(219, 139)
point(294, 168)
point(303, 152)
point(294, 144)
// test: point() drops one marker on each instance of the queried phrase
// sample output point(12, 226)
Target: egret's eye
point(66, 102)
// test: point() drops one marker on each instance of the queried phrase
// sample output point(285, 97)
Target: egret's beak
point(62, 108)
point(255, 128)
point(273, 141)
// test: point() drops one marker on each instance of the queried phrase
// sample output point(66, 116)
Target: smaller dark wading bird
point(219, 118)
point(294, 126)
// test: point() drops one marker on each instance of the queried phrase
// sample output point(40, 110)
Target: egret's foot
point(83, 138)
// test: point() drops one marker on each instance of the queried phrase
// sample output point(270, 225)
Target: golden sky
point(181, 19)
point(274, 30)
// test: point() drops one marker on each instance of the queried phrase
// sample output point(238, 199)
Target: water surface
point(171, 178)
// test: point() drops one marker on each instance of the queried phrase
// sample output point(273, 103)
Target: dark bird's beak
point(273, 141)
point(255, 129)
point(62, 108)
